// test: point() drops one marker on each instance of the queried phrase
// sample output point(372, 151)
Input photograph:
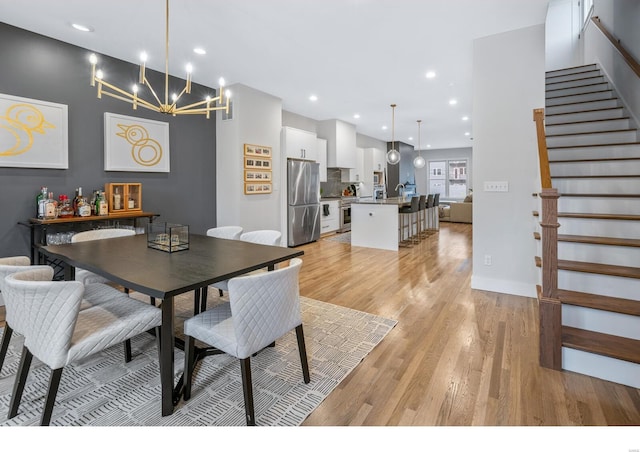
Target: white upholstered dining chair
point(262, 308)
point(58, 332)
point(85, 276)
point(262, 237)
point(225, 232)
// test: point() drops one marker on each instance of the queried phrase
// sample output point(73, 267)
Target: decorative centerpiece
point(168, 237)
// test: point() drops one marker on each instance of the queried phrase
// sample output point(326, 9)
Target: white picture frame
point(33, 133)
point(135, 144)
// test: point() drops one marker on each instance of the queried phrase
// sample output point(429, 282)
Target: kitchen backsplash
point(333, 187)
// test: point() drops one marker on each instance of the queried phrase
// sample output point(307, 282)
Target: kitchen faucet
point(401, 190)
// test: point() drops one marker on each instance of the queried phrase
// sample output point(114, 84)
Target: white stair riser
point(613, 151)
point(600, 254)
point(601, 95)
point(611, 286)
point(628, 206)
point(589, 126)
point(617, 167)
point(582, 106)
point(572, 72)
point(605, 322)
point(585, 139)
point(598, 186)
point(595, 115)
point(574, 83)
point(552, 94)
point(603, 367)
point(627, 229)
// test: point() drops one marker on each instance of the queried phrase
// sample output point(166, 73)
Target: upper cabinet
point(321, 148)
point(356, 174)
point(341, 143)
point(299, 144)
point(379, 159)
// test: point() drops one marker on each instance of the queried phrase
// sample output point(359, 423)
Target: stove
point(345, 213)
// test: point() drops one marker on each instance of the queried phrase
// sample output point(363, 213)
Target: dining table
point(131, 263)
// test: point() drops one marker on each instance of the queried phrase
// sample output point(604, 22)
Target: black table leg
point(167, 356)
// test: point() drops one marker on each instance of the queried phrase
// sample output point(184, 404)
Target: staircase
point(594, 161)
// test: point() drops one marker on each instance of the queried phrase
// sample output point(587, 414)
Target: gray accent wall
point(41, 68)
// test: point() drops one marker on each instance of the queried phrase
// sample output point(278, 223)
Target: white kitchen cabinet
point(355, 174)
point(379, 159)
point(341, 143)
point(299, 144)
point(330, 222)
point(321, 148)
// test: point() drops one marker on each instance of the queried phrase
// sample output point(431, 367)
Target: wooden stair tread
point(586, 122)
point(602, 195)
point(596, 268)
point(601, 302)
point(629, 143)
point(614, 241)
point(601, 159)
point(602, 344)
point(591, 110)
point(595, 132)
point(598, 176)
point(595, 216)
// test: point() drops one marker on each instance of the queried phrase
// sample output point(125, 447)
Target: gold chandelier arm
point(202, 102)
point(123, 95)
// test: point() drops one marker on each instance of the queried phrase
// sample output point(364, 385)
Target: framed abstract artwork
point(135, 144)
point(33, 133)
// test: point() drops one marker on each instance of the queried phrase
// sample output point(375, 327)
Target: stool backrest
point(430, 202)
point(436, 199)
point(423, 202)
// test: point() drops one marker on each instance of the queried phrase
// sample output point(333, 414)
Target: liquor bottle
point(40, 201)
point(66, 209)
point(103, 206)
point(117, 199)
point(84, 208)
point(74, 203)
point(93, 202)
point(50, 208)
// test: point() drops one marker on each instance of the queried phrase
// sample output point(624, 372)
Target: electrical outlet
point(487, 259)
point(496, 186)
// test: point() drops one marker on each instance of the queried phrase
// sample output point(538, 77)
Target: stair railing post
point(549, 305)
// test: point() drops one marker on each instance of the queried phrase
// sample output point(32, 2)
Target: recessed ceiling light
point(410, 138)
point(453, 102)
point(431, 74)
point(428, 145)
point(466, 134)
point(199, 51)
point(81, 27)
point(313, 98)
point(384, 127)
point(465, 118)
point(356, 116)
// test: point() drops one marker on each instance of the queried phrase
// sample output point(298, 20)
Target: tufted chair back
point(226, 232)
point(263, 237)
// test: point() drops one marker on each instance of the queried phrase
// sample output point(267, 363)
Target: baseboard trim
point(504, 286)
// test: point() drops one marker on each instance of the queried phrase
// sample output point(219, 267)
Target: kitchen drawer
point(329, 225)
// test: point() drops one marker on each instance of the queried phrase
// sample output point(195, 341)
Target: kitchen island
point(375, 222)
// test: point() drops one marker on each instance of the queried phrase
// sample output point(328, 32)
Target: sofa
point(458, 212)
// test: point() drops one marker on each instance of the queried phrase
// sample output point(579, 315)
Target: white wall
point(562, 35)
point(257, 119)
point(508, 83)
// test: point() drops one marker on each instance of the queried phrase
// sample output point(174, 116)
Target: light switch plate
point(496, 186)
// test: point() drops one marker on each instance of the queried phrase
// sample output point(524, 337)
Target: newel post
point(549, 305)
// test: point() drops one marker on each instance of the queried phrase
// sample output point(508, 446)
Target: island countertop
point(396, 201)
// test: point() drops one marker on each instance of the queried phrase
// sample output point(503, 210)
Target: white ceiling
point(357, 56)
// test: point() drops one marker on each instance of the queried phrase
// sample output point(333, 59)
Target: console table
point(38, 228)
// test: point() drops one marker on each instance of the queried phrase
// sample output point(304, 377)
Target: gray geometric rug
point(103, 390)
point(344, 237)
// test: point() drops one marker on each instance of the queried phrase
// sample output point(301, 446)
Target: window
point(448, 177)
point(586, 7)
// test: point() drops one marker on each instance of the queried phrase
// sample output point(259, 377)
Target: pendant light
point(419, 161)
point(393, 156)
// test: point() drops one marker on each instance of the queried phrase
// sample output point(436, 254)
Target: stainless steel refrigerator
point(303, 195)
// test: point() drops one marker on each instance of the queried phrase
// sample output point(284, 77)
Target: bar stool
point(408, 213)
point(422, 216)
point(436, 213)
point(426, 216)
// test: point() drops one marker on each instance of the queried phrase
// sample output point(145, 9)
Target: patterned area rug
point(103, 390)
point(344, 237)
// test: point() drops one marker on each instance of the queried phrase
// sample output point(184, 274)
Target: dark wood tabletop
point(129, 262)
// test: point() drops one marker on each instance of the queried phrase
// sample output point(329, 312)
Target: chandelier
point(201, 107)
point(419, 161)
point(393, 156)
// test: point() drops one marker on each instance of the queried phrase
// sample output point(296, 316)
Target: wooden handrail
point(633, 64)
point(543, 156)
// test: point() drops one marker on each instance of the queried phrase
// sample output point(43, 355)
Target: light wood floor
point(457, 356)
